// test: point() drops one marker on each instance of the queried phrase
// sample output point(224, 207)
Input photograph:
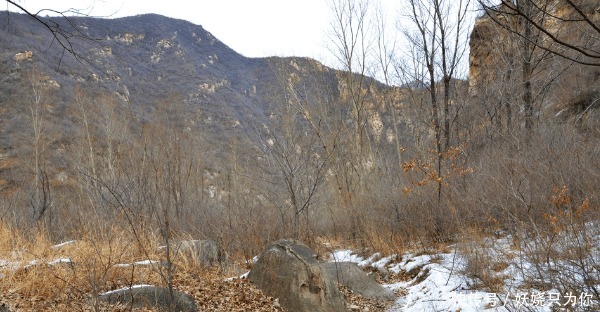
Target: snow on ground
point(15, 265)
point(439, 283)
point(10, 265)
point(125, 288)
point(437, 287)
point(59, 260)
point(137, 263)
point(63, 244)
point(243, 276)
point(349, 256)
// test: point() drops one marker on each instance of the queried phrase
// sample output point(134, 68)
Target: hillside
point(144, 59)
point(147, 90)
point(147, 66)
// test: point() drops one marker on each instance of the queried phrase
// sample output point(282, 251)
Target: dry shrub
point(100, 260)
point(385, 240)
point(77, 270)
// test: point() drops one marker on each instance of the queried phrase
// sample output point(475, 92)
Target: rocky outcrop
point(146, 296)
point(497, 64)
point(289, 271)
point(22, 56)
point(482, 56)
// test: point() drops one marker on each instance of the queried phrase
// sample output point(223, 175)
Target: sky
point(253, 28)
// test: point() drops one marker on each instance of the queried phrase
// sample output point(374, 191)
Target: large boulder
point(352, 276)
point(289, 270)
point(203, 252)
point(147, 296)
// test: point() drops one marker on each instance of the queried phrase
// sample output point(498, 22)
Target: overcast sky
point(253, 28)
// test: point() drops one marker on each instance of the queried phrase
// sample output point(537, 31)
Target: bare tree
point(439, 47)
point(38, 101)
point(352, 42)
point(297, 153)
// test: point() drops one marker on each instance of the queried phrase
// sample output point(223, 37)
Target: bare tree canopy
point(557, 21)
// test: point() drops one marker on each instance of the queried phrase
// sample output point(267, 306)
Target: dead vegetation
point(121, 182)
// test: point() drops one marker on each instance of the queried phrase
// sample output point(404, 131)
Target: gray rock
point(352, 276)
point(150, 297)
point(289, 270)
point(203, 252)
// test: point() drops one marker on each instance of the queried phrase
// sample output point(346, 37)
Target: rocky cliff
point(560, 85)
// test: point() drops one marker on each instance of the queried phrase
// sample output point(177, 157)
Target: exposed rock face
point(352, 276)
point(289, 270)
point(150, 297)
point(481, 55)
point(202, 252)
point(22, 56)
point(496, 58)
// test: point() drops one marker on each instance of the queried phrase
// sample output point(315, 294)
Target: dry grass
point(38, 274)
point(93, 268)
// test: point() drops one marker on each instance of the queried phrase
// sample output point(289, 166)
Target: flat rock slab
point(349, 274)
point(147, 296)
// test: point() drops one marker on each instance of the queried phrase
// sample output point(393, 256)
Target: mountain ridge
point(147, 54)
point(148, 61)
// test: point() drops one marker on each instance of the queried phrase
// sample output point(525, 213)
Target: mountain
point(152, 67)
point(149, 57)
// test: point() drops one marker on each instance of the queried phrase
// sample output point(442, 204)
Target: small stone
point(353, 307)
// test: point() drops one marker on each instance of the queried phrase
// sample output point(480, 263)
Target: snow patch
point(439, 282)
point(243, 276)
point(437, 287)
point(59, 246)
point(126, 288)
point(137, 263)
point(59, 261)
point(350, 256)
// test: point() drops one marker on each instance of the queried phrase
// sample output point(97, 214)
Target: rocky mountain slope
point(150, 63)
point(149, 57)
